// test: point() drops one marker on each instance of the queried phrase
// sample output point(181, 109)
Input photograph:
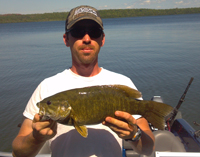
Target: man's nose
point(86, 38)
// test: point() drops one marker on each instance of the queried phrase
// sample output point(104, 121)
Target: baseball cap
point(82, 12)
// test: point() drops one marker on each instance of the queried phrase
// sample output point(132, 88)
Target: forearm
point(24, 146)
point(127, 130)
point(32, 136)
point(145, 145)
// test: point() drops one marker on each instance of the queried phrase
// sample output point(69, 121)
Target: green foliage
point(146, 12)
point(13, 18)
point(112, 13)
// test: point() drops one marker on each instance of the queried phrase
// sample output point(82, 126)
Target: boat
point(177, 140)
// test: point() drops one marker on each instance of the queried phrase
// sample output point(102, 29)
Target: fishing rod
point(181, 100)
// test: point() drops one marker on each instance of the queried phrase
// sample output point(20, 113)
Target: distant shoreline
point(111, 13)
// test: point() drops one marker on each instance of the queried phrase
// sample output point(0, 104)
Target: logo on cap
point(85, 10)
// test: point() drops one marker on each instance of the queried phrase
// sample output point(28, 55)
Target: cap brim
point(84, 18)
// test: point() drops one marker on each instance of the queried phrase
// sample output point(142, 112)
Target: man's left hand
point(125, 128)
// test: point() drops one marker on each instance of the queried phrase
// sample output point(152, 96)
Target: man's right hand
point(32, 136)
point(43, 130)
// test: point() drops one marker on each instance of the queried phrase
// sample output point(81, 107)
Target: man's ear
point(65, 39)
point(103, 39)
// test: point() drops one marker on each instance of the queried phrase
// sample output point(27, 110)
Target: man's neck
point(86, 70)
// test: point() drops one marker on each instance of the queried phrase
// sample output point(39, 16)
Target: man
point(84, 35)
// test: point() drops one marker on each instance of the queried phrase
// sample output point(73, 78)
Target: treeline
point(146, 12)
point(112, 13)
point(14, 18)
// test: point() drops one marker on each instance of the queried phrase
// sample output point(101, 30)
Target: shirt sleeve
point(31, 108)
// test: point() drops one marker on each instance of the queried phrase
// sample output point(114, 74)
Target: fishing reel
point(196, 133)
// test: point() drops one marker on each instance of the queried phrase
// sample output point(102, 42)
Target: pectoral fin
point(82, 130)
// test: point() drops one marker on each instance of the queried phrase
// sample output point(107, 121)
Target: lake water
point(159, 53)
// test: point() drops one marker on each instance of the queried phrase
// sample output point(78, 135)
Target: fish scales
point(91, 105)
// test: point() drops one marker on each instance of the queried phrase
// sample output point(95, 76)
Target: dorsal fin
point(129, 91)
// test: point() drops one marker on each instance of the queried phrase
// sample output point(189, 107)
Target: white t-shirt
point(101, 141)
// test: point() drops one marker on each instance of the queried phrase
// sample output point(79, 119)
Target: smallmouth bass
point(91, 105)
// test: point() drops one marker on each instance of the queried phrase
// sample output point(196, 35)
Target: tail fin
point(156, 113)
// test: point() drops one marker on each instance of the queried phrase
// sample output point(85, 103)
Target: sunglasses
point(79, 32)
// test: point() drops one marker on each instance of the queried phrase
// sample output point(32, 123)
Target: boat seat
point(165, 141)
point(128, 150)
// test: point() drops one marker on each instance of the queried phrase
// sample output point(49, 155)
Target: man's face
point(85, 49)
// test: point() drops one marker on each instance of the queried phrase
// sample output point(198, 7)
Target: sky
point(48, 6)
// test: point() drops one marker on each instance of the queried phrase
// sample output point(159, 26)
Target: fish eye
point(49, 102)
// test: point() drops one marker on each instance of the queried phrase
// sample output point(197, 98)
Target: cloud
point(146, 2)
point(129, 7)
point(103, 7)
point(160, 1)
point(159, 4)
point(181, 2)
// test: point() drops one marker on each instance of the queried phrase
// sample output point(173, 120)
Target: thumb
point(36, 118)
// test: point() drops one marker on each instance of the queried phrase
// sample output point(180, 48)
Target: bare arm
point(145, 145)
point(32, 136)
